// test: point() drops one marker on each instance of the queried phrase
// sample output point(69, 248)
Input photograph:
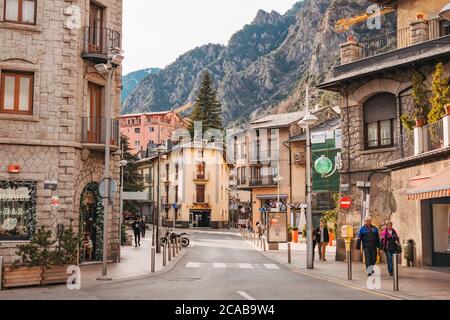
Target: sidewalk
point(135, 263)
point(414, 283)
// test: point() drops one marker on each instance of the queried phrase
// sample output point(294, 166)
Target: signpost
point(345, 203)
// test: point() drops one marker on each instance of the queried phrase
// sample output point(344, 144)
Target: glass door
point(95, 28)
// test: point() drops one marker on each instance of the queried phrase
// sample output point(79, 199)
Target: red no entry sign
point(345, 203)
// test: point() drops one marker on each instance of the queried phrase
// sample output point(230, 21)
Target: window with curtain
point(20, 11)
point(380, 118)
point(16, 92)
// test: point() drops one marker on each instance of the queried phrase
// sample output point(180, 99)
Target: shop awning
point(434, 187)
point(271, 196)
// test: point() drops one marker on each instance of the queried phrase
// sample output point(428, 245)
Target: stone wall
point(47, 144)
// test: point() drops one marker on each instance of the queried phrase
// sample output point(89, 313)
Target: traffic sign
point(346, 203)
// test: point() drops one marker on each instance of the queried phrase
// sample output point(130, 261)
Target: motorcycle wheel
point(185, 242)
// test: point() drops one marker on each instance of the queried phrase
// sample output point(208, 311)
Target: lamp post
point(107, 70)
point(123, 163)
point(308, 121)
point(160, 149)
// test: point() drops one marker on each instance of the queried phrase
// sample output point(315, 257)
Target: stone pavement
point(414, 283)
point(135, 263)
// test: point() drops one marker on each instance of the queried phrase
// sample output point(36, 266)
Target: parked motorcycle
point(173, 236)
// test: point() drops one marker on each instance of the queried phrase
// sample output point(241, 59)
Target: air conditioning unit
point(300, 158)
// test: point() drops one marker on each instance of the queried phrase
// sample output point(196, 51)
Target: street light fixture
point(107, 70)
point(308, 121)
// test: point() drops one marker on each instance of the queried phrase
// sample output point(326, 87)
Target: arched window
point(380, 117)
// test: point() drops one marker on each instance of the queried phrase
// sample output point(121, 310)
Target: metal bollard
point(176, 245)
point(289, 253)
point(174, 249)
point(168, 251)
point(395, 265)
point(179, 244)
point(1, 273)
point(264, 245)
point(349, 265)
point(164, 254)
point(153, 259)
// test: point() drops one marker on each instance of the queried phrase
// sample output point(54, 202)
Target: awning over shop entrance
point(435, 187)
point(271, 196)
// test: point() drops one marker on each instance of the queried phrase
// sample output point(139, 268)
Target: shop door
point(201, 219)
point(441, 235)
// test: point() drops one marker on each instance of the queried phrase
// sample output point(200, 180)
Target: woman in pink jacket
point(389, 244)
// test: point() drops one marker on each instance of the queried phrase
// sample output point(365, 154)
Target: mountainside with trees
point(264, 66)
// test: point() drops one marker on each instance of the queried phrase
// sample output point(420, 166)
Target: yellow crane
point(344, 24)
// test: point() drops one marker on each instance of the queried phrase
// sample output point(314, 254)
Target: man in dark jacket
point(322, 239)
point(136, 226)
point(369, 236)
point(142, 226)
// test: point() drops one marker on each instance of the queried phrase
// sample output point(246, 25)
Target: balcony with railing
point(99, 43)
point(419, 31)
point(263, 181)
point(93, 133)
point(427, 141)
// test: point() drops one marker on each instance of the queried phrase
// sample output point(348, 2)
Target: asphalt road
point(218, 266)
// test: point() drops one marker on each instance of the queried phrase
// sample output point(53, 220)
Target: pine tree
point(132, 179)
point(441, 94)
point(207, 107)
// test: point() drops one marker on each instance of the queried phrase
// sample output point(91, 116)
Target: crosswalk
point(222, 265)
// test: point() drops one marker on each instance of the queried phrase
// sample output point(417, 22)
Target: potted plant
point(295, 234)
point(447, 109)
point(289, 233)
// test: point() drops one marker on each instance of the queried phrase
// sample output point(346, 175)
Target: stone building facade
point(55, 142)
point(379, 155)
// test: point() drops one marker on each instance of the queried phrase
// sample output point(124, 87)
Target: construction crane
point(344, 24)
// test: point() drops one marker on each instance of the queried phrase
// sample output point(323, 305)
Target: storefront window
point(17, 210)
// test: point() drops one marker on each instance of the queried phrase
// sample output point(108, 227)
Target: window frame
point(379, 145)
point(20, 13)
point(17, 76)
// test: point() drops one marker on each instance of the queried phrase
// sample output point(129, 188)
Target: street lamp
point(123, 164)
point(159, 150)
point(107, 70)
point(308, 121)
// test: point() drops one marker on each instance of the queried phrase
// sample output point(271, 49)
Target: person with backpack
point(369, 237)
point(390, 244)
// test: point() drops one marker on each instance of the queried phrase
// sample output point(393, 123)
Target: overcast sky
point(156, 32)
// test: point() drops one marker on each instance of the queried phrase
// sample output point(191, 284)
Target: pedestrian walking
point(315, 243)
point(249, 225)
point(322, 239)
point(369, 237)
point(260, 229)
point(137, 232)
point(142, 226)
point(390, 243)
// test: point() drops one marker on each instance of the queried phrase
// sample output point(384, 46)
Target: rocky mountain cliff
point(264, 66)
point(131, 80)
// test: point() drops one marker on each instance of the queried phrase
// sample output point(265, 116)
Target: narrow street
point(218, 266)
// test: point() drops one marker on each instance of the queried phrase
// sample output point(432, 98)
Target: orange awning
point(435, 187)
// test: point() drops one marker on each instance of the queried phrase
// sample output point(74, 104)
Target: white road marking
point(245, 295)
point(219, 265)
point(271, 266)
point(245, 266)
point(193, 265)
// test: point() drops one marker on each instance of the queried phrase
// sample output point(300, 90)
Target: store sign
point(318, 137)
point(323, 165)
point(50, 184)
point(277, 227)
point(19, 194)
point(55, 202)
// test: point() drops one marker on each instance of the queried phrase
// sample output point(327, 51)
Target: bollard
point(264, 245)
point(176, 245)
point(180, 245)
point(164, 255)
point(168, 251)
point(1, 273)
point(289, 253)
point(349, 265)
point(395, 265)
point(174, 249)
point(153, 259)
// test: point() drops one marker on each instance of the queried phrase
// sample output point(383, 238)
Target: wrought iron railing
point(93, 131)
point(263, 181)
point(101, 41)
point(433, 136)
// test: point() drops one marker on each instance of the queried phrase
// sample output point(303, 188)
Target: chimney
point(351, 50)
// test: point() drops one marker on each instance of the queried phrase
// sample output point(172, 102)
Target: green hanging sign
point(323, 165)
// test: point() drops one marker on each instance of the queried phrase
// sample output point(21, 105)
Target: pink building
point(148, 128)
